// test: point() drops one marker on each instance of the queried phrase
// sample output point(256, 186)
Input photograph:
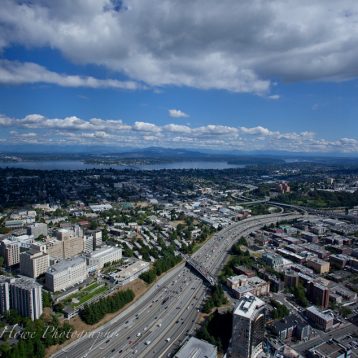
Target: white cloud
point(274, 97)
point(72, 130)
point(177, 113)
point(208, 44)
point(176, 128)
point(13, 73)
point(256, 130)
point(145, 127)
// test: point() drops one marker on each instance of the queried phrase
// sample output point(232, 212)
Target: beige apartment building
point(66, 247)
point(319, 265)
point(10, 251)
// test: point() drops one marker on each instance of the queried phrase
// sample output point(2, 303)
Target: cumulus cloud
point(208, 44)
point(145, 127)
point(36, 128)
point(256, 130)
point(176, 128)
point(14, 72)
point(177, 113)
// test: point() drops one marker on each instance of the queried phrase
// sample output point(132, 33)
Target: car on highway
point(147, 343)
point(168, 339)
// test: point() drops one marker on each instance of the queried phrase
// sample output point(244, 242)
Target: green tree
point(46, 299)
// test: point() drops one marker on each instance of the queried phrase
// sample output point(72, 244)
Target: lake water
point(78, 165)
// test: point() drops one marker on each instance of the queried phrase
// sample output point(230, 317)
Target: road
point(153, 328)
point(325, 336)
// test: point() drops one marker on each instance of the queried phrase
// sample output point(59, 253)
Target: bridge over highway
point(198, 268)
point(327, 213)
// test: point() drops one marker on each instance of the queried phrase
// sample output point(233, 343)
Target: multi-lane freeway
point(157, 323)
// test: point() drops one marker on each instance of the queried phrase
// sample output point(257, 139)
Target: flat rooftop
point(248, 305)
point(330, 349)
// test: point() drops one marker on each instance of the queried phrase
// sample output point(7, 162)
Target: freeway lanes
point(143, 329)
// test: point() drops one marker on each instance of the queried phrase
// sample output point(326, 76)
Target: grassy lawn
point(89, 295)
point(92, 290)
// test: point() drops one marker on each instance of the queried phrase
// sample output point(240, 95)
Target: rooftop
point(248, 305)
point(65, 264)
point(196, 348)
point(325, 315)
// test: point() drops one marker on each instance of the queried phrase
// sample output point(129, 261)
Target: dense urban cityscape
point(163, 262)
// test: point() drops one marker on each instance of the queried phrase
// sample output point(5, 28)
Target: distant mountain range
point(159, 152)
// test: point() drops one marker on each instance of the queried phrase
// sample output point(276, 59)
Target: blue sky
point(264, 76)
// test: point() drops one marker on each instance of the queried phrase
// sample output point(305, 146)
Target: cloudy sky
point(229, 74)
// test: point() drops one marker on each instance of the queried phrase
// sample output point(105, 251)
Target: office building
point(37, 230)
point(88, 243)
point(65, 274)
point(34, 262)
point(72, 246)
point(92, 240)
point(65, 246)
point(10, 250)
point(26, 297)
point(248, 328)
point(97, 238)
point(321, 319)
point(97, 259)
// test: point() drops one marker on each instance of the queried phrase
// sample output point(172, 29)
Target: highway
point(158, 322)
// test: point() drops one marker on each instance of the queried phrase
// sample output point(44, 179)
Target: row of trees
point(44, 333)
point(94, 312)
point(239, 257)
point(217, 330)
point(164, 264)
point(216, 299)
point(280, 311)
point(300, 295)
point(323, 199)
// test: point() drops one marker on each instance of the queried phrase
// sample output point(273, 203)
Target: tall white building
point(37, 229)
point(26, 297)
point(248, 327)
point(65, 274)
point(4, 294)
point(92, 240)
